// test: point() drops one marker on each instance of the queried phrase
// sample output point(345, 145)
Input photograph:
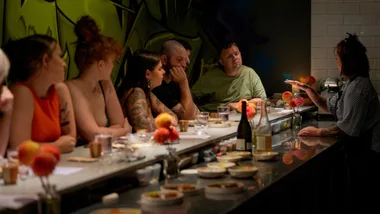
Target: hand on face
point(178, 74)
point(301, 85)
point(6, 100)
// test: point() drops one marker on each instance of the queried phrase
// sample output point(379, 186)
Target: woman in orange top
point(43, 109)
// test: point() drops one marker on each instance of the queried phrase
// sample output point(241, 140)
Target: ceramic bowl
point(265, 156)
point(161, 198)
point(221, 164)
point(244, 155)
point(243, 171)
point(229, 158)
point(211, 172)
point(187, 189)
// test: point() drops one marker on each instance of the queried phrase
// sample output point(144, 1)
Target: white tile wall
point(330, 20)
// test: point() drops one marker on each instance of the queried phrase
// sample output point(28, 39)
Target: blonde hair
point(4, 64)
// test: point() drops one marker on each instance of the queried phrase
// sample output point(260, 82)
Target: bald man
point(174, 91)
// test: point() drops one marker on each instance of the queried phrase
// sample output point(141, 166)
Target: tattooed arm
point(66, 111)
point(137, 110)
point(158, 107)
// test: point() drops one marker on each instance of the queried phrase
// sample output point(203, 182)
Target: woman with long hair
point(144, 73)
point(97, 109)
point(6, 102)
point(42, 109)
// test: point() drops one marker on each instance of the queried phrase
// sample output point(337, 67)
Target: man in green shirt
point(228, 86)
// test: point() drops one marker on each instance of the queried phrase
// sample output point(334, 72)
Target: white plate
point(265, 155)
point(243, 154)
point(229, 158)
point(242, 171)
point(219, 125)
point(221, 164)
point(211, 172)
point(116, 210)
point(222, 188)
point(189, 171)
point(180, 188)
point(161, 200)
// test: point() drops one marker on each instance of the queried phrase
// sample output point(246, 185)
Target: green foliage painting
point(135, 23)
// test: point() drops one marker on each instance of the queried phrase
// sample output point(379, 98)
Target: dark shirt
point(168, 93)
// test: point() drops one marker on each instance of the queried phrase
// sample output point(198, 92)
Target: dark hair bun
point(87, 30)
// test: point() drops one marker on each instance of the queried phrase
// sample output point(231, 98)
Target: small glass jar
point(171, 164)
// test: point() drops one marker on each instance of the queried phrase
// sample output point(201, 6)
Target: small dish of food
point(187, 189)
point(221, 164)
point(161, 198)
point(211, 172)
point(229, 158)
point(243, 171)
point(265, 156)
point(116, 211)
point(224, 188)
point(244, 155)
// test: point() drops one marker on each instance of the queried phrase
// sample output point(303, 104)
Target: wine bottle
point(244, 132)
point(263, 131)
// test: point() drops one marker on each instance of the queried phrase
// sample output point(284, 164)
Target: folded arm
point(137, 107)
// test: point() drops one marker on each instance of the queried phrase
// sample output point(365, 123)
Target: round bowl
point(240, 153)
point(265, 156)
point(243, 171)
point(221, 164)
point(211, 172)
point(187, 189)
point(161, 198)
point(229, 158)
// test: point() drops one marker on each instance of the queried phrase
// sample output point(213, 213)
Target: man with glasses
point(6, 103)
point(174, 91)
point(226, 86)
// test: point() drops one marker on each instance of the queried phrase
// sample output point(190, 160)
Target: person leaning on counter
point(6, 102)
point(229, 84)
point(357, 110)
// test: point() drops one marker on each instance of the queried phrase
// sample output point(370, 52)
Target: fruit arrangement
point(250, 109)
point(288, 97)
point(165, 132)
point(307, 80)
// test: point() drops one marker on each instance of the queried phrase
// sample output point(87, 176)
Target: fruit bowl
point(211, 172)
point(229, 158)
point(243, 171)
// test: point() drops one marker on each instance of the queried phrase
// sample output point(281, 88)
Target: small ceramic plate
point(221, 164)
point(265, 156)
point(229, 158)
point(219, 124)
point(161, 198)
point(243, 171)
point(211, 172)
point(189, 171)
point(187, 189)
point(243, 154)
point(224, 188)
point(116, 210)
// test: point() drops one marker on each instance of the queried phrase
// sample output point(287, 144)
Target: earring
point(148, 83)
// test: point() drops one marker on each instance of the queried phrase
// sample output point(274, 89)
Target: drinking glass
point(201, 123)
point(106, 141)
point(23, 170)
point(223, 112)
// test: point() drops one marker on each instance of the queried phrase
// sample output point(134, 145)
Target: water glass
point(23, 170)
point(223, 112)
point(144, 175)
point(156, 171)
point(105, 140)
point(201, 124)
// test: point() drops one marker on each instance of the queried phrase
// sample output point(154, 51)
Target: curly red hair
point(92, 46)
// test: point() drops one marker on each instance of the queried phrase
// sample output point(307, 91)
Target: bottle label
point(240, 144)
point(260, 143)
point(248, 146)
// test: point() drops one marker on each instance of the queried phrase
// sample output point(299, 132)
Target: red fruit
point(304, 79)
point(43, 164)
point(26, 151)
point(51, 149)
point(174, 135)
point(292, 104)
point(251, 112)
point(287, 158)
point(311, 80)
point(299, 101)
point(161, 135)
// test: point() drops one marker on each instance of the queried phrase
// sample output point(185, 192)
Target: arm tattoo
point(159, 107)
point(179, 111)
point(137, 110)
point(331, 131)
point(64, 115)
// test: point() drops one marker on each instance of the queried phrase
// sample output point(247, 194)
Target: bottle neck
point(264, 108)
point(244, 111)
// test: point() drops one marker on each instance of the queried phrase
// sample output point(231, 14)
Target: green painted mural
point(135, 23)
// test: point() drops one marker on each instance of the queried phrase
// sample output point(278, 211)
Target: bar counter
point(268, 178)
point(93, 173)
